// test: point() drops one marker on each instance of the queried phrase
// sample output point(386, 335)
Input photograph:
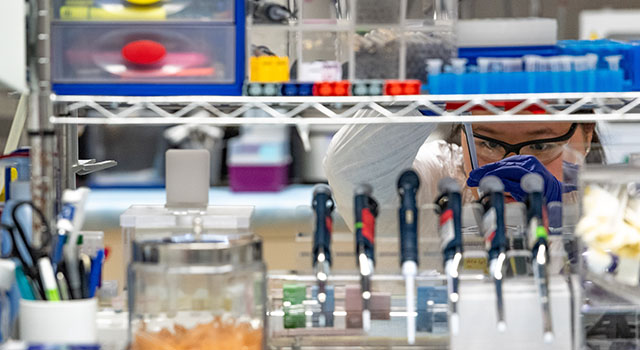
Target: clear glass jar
point(197, 295)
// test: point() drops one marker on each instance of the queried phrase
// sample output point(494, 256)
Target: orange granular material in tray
point(215, 335)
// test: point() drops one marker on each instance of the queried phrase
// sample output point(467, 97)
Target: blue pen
point(57, 251)
point(96, 271)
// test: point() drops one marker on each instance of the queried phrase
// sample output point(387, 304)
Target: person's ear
point(587, 133)
point(588, 130)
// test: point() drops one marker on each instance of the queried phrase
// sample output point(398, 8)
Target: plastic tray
point(127, 10)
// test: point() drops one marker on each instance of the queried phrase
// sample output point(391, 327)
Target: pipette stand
point(478, 316)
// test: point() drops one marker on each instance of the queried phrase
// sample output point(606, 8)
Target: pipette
point(495, 237)
point(450, 205)
point(366, 210)
point(471, 144)
point(323, 206)
point(533, 184)
point(408, 185)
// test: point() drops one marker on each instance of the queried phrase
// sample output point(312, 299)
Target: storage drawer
point(122, 55)
point(145, 10)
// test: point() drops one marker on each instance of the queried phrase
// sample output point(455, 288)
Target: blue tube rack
point(599, 80)
point(630, 52)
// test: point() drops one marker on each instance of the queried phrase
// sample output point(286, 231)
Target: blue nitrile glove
point(511, 170)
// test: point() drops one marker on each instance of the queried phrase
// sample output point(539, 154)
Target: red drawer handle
point(144, 52)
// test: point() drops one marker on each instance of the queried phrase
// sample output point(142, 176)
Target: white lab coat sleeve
point(436, 160)
point(375, 154)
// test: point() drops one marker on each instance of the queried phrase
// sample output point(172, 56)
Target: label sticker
point(368, 225)
point(536, 231)
point(447, 228)
point(489, 227)
point(329, 224)
point(67, 212)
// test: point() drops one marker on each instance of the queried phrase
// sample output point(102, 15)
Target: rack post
point(42, 136)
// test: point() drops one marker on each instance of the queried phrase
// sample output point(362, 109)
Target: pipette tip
point(502, 326)
point(366, 320)
point(411, 338)
point(548, 337)
point(455, 324)
point(411, 321)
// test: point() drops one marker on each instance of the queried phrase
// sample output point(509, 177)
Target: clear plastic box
point(378, 12)
point(109, 53)
point(117, 10)
point(368, 39)
point(158, 223)
point(197, 295)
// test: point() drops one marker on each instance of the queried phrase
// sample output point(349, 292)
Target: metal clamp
point(88, 166)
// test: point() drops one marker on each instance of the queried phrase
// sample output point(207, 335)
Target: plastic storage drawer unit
point(103, 58)
point(148, 47)
point(145, 10)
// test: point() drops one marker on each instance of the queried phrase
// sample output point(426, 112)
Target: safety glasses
point(546, 150)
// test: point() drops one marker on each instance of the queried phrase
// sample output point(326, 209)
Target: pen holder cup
point(59, 322)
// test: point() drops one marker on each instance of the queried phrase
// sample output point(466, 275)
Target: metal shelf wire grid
point(301, 111)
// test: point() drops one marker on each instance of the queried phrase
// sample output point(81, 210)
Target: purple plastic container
point(254, 178)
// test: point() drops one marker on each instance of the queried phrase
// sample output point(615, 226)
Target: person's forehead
point(510, 130)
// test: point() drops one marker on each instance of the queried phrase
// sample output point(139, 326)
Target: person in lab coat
point(378, 153)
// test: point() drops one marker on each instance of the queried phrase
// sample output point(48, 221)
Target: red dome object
point(341, 88)
point(144, 52)
point(393, 87)
point(412, 87)
point(322, 89)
